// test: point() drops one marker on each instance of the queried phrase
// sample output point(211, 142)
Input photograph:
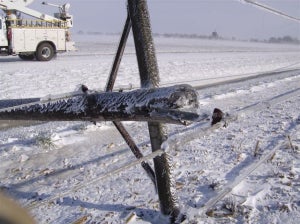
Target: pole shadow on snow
point(238, 169)
point(63, 170)
point(18, 194)
point(144, 214)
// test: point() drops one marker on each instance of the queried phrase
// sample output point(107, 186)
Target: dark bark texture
point(176, 104)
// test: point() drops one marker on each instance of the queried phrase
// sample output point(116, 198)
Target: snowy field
point(246, 172)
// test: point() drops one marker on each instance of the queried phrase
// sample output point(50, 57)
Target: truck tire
point(45, 52)
point(27, 57)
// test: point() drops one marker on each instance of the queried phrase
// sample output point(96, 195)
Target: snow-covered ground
point(58, 170)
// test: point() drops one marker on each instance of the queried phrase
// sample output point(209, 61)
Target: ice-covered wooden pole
point(149, 75)
point(174, 104)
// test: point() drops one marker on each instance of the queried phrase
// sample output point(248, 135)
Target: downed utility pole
point(169, 104)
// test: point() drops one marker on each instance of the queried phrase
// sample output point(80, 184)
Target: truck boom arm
point(19, 2)
point(20, 5)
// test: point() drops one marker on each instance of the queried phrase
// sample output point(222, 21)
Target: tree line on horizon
point(214, 35)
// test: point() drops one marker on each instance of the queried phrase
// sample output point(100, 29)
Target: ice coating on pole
point(175, 104)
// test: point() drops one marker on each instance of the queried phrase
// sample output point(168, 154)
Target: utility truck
point(38, 36)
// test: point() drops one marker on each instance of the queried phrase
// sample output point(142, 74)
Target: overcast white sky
point(230, 18)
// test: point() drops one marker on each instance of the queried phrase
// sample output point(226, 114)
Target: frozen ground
point(58, 169)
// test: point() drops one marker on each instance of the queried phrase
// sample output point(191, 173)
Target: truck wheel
point(45, 52)
point(27, 57)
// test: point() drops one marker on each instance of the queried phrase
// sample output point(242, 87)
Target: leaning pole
point(149, 75)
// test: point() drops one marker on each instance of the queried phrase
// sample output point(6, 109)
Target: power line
point(128, 165)
point(274, 11)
